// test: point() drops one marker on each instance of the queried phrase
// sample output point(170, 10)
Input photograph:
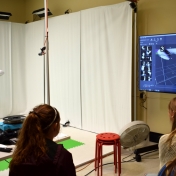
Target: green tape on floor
point(69, 143)
point(4, 164)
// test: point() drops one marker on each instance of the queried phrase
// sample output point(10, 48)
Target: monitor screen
point(157, 63)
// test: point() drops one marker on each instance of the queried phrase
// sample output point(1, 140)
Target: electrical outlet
point(142, 95)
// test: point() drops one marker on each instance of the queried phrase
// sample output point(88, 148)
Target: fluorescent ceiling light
point(41, 12)
point(5, 15)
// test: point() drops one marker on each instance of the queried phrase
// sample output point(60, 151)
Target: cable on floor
point(131, 160)
point(85, 166)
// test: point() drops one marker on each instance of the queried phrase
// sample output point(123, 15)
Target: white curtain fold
point(12, 56)
point(106, 46)
point(34, 64)
point(18, 68)
point(64, 56)
point(5, 65)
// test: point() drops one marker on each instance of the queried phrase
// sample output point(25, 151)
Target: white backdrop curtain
point(34, 69)
point(64, 56)
point(18, 68)
point(106, 44)
point(5, 65)
point(12, 54)
point(90, 67)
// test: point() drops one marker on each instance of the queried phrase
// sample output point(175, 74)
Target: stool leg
point(119, 157)
point(115, 157)
point(101, 158)
point(96, 154)
point(114, 153)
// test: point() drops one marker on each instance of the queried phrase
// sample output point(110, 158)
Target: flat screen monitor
point(157, 63)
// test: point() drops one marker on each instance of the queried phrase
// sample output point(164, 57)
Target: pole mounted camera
point(133, 5)
point(42, 51)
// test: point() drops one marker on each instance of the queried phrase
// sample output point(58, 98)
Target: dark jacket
point(57, 162)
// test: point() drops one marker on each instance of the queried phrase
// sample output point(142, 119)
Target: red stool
point(107, 139)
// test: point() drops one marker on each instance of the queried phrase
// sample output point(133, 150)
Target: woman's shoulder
point(62, 155)
point(164, 137)
point(61, 147)
point(62, 151)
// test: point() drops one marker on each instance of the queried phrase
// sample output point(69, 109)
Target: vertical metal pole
point(135, 23)
point(46, 58)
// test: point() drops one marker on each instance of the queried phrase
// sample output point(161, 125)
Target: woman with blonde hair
point(167, 146)
point(36, 153)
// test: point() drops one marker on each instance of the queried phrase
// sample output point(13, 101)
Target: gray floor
point(149, 164)
point(83, 157)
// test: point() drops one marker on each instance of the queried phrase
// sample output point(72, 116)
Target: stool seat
point(107, 138)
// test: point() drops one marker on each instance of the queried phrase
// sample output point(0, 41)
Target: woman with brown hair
point(167, 142)
point(36, 153)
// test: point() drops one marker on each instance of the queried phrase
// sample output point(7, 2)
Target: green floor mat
point(4, 164)
point(69, 143)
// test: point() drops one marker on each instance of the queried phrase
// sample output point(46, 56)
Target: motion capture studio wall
point(90, 67)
